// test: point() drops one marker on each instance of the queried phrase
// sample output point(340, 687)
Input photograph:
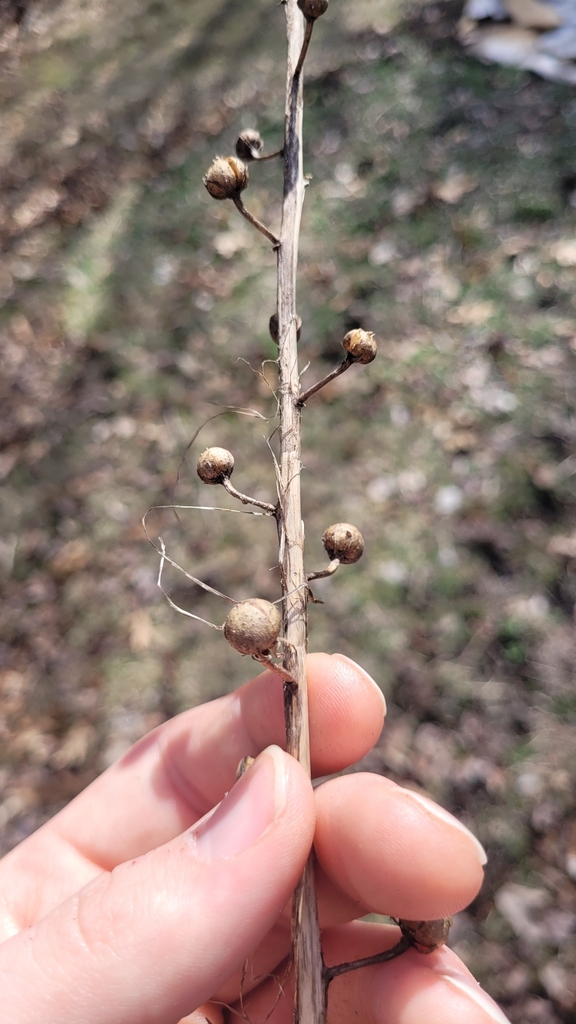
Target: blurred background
point(133, 309)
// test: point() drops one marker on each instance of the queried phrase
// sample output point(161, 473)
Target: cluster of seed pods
point(253, 626)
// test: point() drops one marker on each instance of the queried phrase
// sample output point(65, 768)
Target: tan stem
point(325, 380)
point(323, 573)
point(305, 45)
point(246, 499)
point(271, 156)
point(255, 222)
point(367, 961)
point(310, 994)
point(268, 663)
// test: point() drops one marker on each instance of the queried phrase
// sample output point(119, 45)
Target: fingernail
point(445, 816)
point(363, 672)
point(472, 989)
point(245, 813)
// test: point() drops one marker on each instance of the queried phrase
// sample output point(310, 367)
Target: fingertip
point(205, 1014)
point(347, 711)
point(352, 670)
point(389, 853)
point(436, 988)
point(443, 815)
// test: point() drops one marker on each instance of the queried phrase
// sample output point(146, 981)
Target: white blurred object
point(448, 499)
point(533, 14)
point(565, 9)
point(561, 43)
point(540, 35)
point(503, 44)
point(518, 47)
point(381, 253)
point(480, 9)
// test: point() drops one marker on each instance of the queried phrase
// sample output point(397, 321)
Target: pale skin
point(132, 907)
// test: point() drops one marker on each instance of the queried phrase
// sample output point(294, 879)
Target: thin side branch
point(166, 558)
point(270, 510)
point(255, 222)
point(305, 45)
point(197, 508)
point(323, 573)
point(278, 669)
point(183, 611)
point(367, 961)
point(325, 380)
point(271, 156)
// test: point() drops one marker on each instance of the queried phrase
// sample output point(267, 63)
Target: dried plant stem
point(270, 510)
point(278, 669)
point(305, 45)
point(310, 996)
point(271, 156)
point(325, 380)
point(323, 573)
point(367, 961)
point(255, 222)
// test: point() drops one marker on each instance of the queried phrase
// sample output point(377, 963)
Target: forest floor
point(441, 214)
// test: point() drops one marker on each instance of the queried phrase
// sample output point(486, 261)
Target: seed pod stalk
point(255, 222)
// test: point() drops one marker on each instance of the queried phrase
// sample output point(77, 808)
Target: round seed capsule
point(214, 465)
point(313, 9)
point(344, 542)
point(426, 936)
point(249, 145)
point(360, 345)
point(253, 626)
point(273, 327)
point(226, 177)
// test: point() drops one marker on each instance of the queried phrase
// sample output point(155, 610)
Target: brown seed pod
point(426, 936)
point(360, 345)
point(312, 9)
point(226, 177)
point(344, 542)
point(215, 465)
point(273, 327)
point(249, 145)
point(243, 765)
point(253, 626)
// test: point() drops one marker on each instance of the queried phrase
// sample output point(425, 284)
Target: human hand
point(140, 902)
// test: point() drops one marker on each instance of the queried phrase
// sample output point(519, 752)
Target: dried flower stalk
point(310, 993)
point(253, 626)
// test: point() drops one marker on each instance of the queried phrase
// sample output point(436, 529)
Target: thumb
point(156, 937)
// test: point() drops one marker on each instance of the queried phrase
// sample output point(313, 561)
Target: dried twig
point(164, 558)
point(278, 669)
point(323, 573)
point(310, 997)
point(367, 961)
point(271, 156)
point(255, 222)
point(254, 626)
point(325, 380)
point(200, 583)
point(304, 50)
point(267, 508)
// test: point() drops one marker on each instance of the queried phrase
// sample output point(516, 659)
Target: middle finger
point(383, 849)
